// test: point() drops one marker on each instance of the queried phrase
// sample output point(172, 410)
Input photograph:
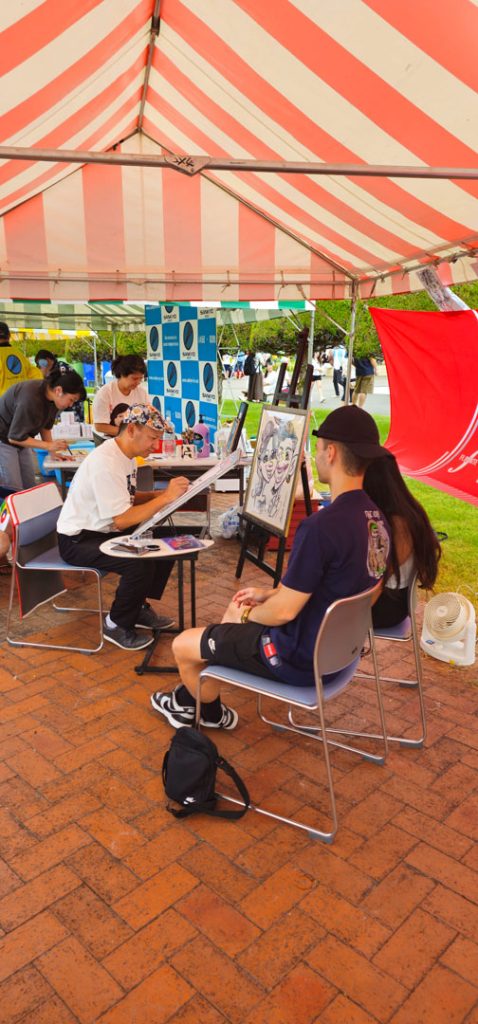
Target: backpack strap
point(240, 786)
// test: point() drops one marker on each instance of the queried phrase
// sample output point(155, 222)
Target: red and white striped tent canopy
point(258, 95)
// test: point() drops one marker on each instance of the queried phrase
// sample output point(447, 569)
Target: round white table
point(162, 550)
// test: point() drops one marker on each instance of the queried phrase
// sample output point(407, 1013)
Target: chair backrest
point(342, 632)
point(34, 513)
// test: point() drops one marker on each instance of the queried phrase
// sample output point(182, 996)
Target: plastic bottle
point(169, 440)
point(201, 439)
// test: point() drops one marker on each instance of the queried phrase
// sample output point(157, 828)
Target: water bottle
point(169, 441)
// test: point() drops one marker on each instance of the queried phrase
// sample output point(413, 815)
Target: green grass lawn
point(456, 518)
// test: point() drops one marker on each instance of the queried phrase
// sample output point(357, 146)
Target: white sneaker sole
point(170, 622)
point(171, 716)
point(219, 725)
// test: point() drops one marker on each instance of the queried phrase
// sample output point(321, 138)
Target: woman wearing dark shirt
point(28, 409)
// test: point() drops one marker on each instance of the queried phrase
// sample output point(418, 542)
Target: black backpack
point(189, 775)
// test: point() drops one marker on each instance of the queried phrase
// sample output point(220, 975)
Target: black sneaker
point(228, 720)
point(147, 619)
point(128, 639)
point(168, 705)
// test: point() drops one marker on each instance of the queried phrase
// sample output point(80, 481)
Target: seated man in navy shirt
point(341, 550)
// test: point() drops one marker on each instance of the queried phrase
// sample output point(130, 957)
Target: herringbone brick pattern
point(112, 912)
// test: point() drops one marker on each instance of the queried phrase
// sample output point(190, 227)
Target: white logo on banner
point(172, 378)
point(207, 382)
point(170, 314)
point(155, 348)
point(188, 339)
point(189, 412)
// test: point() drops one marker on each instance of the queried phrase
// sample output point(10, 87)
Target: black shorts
point(236, 645)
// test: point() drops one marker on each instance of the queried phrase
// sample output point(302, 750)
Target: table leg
point(145, 667)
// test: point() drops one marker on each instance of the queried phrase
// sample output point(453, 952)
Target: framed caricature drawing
point(276, 468)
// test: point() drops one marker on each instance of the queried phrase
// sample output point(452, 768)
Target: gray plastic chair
point(38, 566)
point(337, 653)
point(404, 632)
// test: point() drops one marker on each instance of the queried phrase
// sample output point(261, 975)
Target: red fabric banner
point(432, 366)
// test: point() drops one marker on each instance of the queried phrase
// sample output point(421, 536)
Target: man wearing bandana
point(102, 503)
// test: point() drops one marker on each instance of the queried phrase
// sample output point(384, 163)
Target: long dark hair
point(122, 366)
point(384, 483)
point(69, 382)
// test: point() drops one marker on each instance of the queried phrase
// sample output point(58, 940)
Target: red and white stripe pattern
point(360, 82)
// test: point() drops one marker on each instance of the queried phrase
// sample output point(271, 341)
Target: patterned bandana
point(145, 416)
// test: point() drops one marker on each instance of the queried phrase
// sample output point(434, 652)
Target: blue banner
point(182, 364)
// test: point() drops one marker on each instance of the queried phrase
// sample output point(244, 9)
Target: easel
point(258, 536)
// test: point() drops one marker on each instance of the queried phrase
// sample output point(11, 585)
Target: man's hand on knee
point(233, 613)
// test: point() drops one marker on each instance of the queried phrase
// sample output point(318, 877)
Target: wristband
point(245, 613)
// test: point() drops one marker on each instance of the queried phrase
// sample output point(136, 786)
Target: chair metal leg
point(405, 741)
point(365, 754)
point(60, 647)
point(326, 837)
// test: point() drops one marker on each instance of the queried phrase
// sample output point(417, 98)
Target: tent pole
point(353, 314)
point(95, 360)
point(310, 347)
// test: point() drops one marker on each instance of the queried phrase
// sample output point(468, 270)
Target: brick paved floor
point(112, 912)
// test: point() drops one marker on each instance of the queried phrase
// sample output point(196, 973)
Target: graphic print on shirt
point(378, 546)
point(131, 484)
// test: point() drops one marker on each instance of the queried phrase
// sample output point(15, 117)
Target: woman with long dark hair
point(127, 388)
point(28, 409)
point(415, 547)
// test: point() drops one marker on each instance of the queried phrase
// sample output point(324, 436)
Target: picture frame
point(276, 467)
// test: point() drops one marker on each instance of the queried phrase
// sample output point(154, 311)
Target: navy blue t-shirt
point(363, 367)
point(339, 551)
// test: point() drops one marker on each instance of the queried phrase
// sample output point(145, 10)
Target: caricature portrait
point(275, 468)
point(266, 463)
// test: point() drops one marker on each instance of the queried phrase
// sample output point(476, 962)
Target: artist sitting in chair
point(339, 551)
point(102, 502)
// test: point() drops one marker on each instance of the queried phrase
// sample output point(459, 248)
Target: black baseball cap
point(356, 429)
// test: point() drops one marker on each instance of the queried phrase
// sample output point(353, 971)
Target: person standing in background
point(14, 366)
point(317, 377)
point(365, 369)
point(253, 370)
point(338, 357)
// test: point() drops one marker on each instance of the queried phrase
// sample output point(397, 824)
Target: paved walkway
point(112, 912)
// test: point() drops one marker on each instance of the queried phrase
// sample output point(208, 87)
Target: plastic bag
point(228, 522)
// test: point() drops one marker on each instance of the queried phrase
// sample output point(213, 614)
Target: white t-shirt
point(339, 355)
point(110, 396)
point(104, 486)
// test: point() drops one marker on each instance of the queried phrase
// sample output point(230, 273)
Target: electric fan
point(449, 629)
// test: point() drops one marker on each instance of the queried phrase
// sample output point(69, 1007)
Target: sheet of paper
point(199, 485)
